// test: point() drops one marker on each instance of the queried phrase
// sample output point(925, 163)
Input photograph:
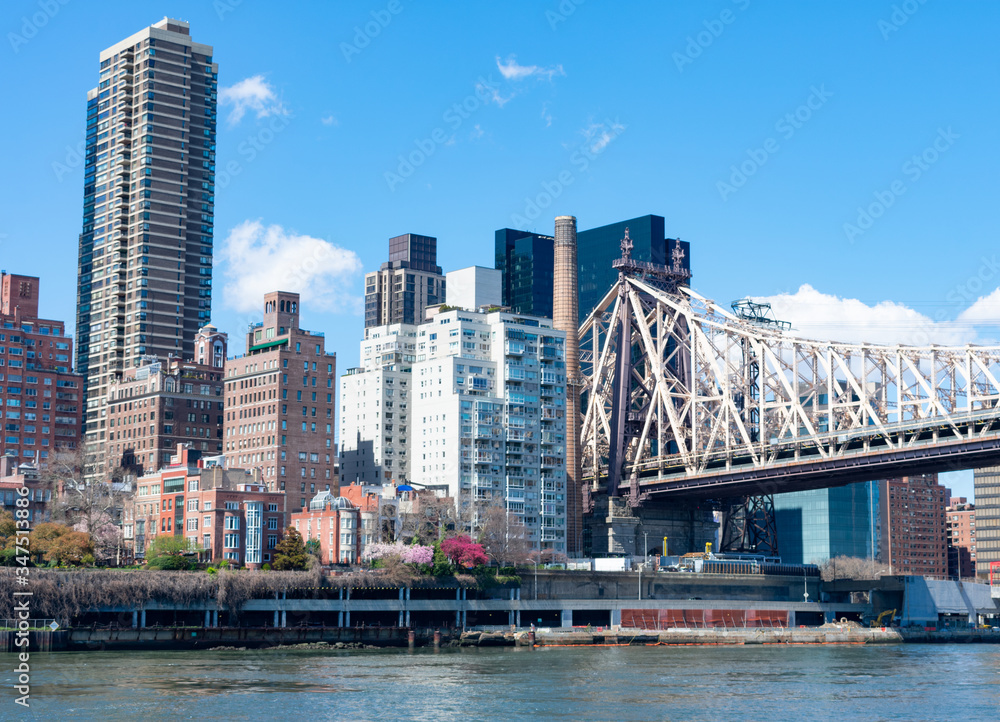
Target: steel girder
point(667, 385)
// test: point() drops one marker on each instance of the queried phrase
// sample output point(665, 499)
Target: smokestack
point(566, 317)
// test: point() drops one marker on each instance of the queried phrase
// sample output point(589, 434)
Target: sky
point(836, 159)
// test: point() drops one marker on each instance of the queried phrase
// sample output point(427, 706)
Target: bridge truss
point(684, 399)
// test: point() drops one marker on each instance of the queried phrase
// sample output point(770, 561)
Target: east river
point(912, 682)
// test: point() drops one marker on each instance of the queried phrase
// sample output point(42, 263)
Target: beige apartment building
point(279, 405)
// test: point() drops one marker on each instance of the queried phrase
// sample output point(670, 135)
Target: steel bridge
point(685, 399)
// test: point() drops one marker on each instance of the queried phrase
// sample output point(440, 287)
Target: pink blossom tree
point(462, 551)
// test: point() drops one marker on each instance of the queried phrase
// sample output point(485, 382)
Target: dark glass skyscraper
point(406, 284)
point(144, 282)
point(597, 248)
point(526, 261)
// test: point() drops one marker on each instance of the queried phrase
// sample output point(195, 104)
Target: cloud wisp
point(253, 94)
point(511, 70)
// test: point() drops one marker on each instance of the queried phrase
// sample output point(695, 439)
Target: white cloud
point(512, 71)
point(330, 120)
point(492, 93)
point(818, 315)
point(254, 94)
point(477, 132)
point(984, 311)
point(597, 136)
point(546, 115)
point(258, 259)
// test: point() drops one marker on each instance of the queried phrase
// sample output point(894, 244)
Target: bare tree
point(503, 535)
point(94, 507)
point(844, 567)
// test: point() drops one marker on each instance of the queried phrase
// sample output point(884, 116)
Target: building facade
point(409, 282)
point(335, 523)
point(222, 513)
point(280, 402)
point(820, 524)
point(375, 408)
point(474, 288)
point(987, 493)
point(912, 515)
point(145, 255)
point(526, 263)
point(489, 410)
point(13, 478)
point(597, 248)
point(42, 398)
point(960, 525)
point(162, 403)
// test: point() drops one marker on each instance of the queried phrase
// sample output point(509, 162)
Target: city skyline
point(276, 119)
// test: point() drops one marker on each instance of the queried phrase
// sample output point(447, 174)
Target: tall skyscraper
point(145, 258)
point(406, 285)
point(526, 261)
point(597, 248)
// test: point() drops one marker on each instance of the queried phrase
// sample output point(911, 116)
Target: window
point(232, 541)
point(192, 524)
point(232, 522)
point(272, 522)
point(272, 541)
point(192, 505)
point(206, 523)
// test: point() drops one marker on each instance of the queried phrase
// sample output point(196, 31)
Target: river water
point(913, 682)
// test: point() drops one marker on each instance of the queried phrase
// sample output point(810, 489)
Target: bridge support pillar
point(616, 617)
point(142, 618)
point(208, 617)
point(829, 617)
point(340, 619)
point(567, 618)
point(276, 619)
point(791, 618)
point(135, 618)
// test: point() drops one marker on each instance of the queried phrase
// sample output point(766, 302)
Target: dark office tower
point(526, 261)
point(407, 284)
point(145, 260)
point(598, 247)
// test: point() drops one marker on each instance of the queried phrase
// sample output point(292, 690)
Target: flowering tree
point(461, 550)
point(415, 554)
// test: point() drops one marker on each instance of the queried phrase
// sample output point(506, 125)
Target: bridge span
point(684, 399)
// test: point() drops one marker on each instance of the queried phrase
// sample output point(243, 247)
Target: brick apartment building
point(961, 530)
point(224, 513)
point(43, 399)
point(334, 522)
point(912, 516)
point(280, 402)
point(164, 403)
point(14, 477)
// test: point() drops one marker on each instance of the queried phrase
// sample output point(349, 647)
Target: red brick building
point(280, 402)
point(42, 399)
point(161, 404)
point(961, 530)
point(223, 513)
point(335, 522)
point(913, 538)
point(13, 478)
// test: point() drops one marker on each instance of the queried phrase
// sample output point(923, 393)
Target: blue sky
point(839, 158)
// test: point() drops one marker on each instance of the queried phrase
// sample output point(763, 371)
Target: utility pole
point(645, 544)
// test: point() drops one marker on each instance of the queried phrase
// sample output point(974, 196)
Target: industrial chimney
point(566, 317)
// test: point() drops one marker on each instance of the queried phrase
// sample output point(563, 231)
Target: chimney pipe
point(566, 317)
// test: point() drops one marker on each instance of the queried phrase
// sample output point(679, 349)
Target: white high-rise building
point(374, 416)
point(489, 416)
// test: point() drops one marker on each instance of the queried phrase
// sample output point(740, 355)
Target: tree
point(503, 535)
point(314, 549)
point(70, 548)
point(94, 507)
point(462, 551)
point(168, 552)
point(844, 567)
point(290, 552)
